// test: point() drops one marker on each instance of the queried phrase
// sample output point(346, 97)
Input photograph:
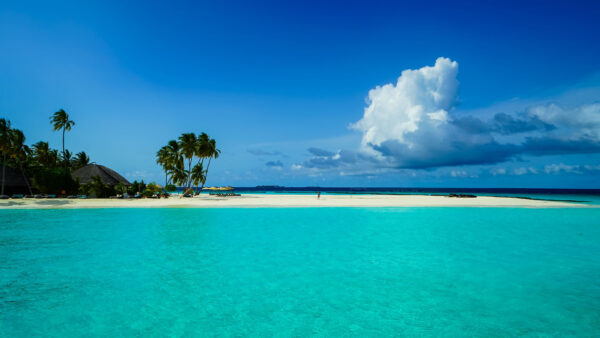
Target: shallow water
point(298, 272)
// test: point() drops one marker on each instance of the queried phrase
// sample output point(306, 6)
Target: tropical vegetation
point(43, 169)
point(183, 160)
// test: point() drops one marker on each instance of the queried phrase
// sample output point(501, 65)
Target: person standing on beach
point(319, 195)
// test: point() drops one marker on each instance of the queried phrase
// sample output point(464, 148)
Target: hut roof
point(107, 175)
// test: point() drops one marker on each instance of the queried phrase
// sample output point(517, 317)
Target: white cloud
point(420, 97)
point(458, 173)
point(524, 171)
point(584, 119)
point(412, 124)
point(561, 168)
point(498, 171)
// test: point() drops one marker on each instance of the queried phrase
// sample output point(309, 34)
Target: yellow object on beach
point(218, 188)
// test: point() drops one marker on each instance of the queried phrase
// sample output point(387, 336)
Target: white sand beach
point(283, 200)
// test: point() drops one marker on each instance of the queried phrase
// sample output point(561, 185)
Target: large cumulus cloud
point(411, 124)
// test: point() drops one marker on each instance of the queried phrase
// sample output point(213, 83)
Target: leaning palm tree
point(170, 159)
point(213, 152)
point(60, 121)
point(5, 146)
point(162, 159)
point(197, 175)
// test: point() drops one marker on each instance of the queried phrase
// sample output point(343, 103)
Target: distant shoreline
point(294, 201)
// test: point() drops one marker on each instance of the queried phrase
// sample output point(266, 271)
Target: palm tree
point(60, 120)
point(66, 158)
point(198, 175)
point(170, 159)
point(162, 159)
point(202, 150)
point(81, 160)
point(213, 152)
point(20, 153)
point(5, 146)
point(43, 155)
point(188, 147)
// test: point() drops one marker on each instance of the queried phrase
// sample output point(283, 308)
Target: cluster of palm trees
point(32, 161)
point(183, 160)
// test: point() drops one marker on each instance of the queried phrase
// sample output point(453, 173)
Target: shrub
point(55, 181)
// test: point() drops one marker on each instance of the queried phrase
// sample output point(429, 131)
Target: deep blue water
point(300, 272)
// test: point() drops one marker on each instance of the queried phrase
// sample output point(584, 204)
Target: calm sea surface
point(300, 272)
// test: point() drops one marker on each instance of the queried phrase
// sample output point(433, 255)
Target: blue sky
point(501, 94)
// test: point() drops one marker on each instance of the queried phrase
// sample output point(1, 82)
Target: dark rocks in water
point(462, 195)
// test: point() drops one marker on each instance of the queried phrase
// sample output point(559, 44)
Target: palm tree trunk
point(206, 175)
point(189, 180)
point(3, 173)
point(25, 178)
point(63, 144)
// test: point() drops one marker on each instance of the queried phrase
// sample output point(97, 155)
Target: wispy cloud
point(274, 164)
point(263, 152)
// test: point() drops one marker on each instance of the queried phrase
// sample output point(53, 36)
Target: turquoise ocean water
point(488, 272)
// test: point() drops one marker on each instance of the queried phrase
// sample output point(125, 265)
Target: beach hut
point(107, 175)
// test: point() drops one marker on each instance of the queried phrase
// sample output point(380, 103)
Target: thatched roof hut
point(107, 175)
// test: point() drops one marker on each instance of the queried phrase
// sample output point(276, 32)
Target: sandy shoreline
point(282, 200)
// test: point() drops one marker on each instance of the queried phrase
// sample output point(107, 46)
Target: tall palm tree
point(81, 160)
point(19, 153)
point(188, 147)
point(60, 120)
point(213, 152)
point(5, 146)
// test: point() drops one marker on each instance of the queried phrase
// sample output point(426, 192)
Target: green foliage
point(136, 187)
point(133, 188)
point(151, 189)
point(81, 160)
point(170, 188)
point(60, 120)
point(98, 189)
point(120, 188)
point(43, 156)
point(55, 181)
